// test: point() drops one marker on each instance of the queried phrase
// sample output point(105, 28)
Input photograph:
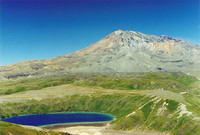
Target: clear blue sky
point(41, 29)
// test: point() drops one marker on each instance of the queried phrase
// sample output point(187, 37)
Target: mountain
point(121, 51)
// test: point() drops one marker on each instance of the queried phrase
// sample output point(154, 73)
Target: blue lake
point(59, 118)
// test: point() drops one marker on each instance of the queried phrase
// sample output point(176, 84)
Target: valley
point(136, 110)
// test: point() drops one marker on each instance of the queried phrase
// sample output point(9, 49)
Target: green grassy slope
point(131, 111)
point(168, 81)
point(141, 110)
point(13, 129)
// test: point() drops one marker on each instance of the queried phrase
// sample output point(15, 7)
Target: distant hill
point(121, 51)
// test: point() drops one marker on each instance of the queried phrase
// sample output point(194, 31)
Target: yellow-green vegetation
point(172, 105)
point(147, 109)
point(15, 86)
point(176, 82)
point(131, 111)
point(13, 129)
point(195, 88)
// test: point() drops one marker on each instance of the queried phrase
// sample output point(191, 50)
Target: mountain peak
point(133, 41)
point(150, 38)
point(118, 32)
point(121, 32)
point(120, 51)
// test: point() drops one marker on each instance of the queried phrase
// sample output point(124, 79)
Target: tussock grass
point(175, 82)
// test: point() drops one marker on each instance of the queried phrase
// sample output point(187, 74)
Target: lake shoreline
point(106, 129)
point(52, 127)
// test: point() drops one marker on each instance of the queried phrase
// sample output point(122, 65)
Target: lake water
point(59, 118)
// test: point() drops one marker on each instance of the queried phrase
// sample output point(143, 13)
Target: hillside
point(13, 129)
point(121, 51)
point(169, 105)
